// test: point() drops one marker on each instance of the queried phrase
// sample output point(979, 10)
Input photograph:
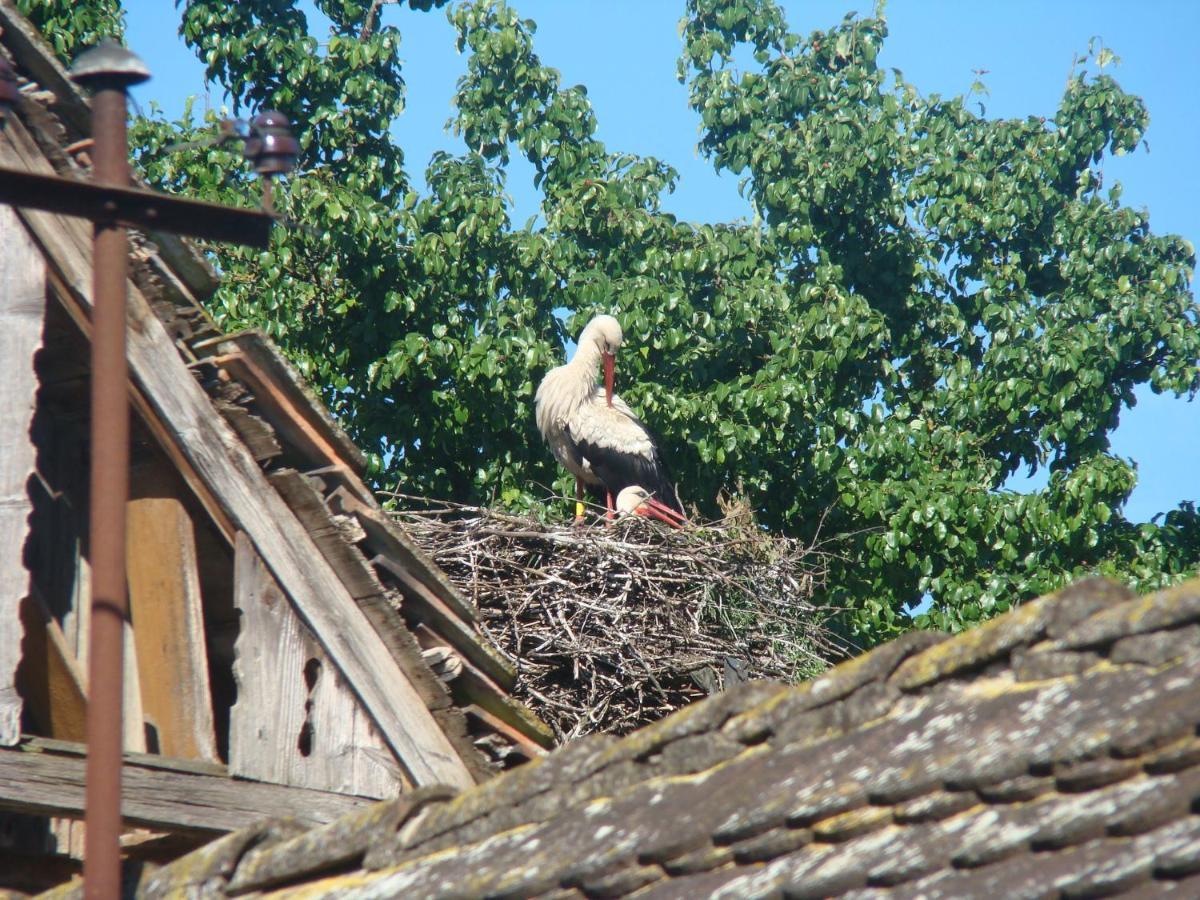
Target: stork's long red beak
point(653, 509)
point(609, 369)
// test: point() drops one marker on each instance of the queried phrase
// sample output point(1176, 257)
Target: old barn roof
point(1050, 752)
point(262, 467)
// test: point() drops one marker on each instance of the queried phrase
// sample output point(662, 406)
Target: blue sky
point(624, 51)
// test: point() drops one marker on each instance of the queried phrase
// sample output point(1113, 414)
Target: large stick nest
point(613, 626)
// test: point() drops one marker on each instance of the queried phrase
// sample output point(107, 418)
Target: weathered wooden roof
point(273, 470)
point(1050, 752)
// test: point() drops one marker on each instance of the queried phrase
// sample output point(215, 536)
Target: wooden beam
point(283, 412)
point(230, 472)
point(386, 537)
point(296, 721)
point(39, 778)
point(79, 312)
point(31, 52)
point(168, 627)
point(22, 310)
point(259, 350)
point(421, 605)
point(523, 743)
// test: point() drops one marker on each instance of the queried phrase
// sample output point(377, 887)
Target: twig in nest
point(613, 627)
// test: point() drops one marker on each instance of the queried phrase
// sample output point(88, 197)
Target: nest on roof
point(613, 626)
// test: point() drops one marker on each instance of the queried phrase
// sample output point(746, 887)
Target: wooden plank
point(29, 49)
point(284, 413)
point(37, 744)
point(420, 604)
point(22, 309)
point(168, 627)
point(259, 437)
point(296, 721)
point(386, 537)
point(523, 743)
point(133, 716)
point(77, 633)
point(286, 383)
point(298, 492)
point(471, 687)
point(232, 476)
point(51, 678)
point(51, 784)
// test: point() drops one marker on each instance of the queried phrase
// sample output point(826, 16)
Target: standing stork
point(591, 431)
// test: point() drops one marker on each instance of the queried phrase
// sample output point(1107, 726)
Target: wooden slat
point(53, 682)
point(473, 685)
point(22, 309)
point(286, 383)
point(258, 435)
point(387, 538)
point(133, 718)
point(284, 413)
point(420, 604)
point(37, 744)
point(528, 747)
point(168, 627)
point(296, 490)
point(164, 798)
point(289, 697)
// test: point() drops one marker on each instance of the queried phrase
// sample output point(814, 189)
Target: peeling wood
point(259, 436)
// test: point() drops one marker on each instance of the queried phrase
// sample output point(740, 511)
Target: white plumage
point(604, 446)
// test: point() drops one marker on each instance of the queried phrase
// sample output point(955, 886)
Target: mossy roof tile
point(1053, 751)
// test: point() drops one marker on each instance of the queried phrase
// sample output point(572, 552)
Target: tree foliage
point(72, 27)
point(926, 302)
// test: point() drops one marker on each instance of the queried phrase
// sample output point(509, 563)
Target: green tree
point(72, 27)
point(926, 302)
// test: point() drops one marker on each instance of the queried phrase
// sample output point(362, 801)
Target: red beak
point(653, 509)
point(609, 367)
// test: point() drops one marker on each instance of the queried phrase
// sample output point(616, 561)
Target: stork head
point(605, 333)
point(636, 500)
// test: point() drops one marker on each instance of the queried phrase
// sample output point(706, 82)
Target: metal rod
point(109, 492)
point(136, 208)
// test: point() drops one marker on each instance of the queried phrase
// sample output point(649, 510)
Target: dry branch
point(613, 626)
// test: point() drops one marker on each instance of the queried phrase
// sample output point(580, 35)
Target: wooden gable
point(283, 630)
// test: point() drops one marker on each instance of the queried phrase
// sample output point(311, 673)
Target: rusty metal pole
point(108, 70)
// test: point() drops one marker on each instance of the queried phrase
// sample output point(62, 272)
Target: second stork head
point(636, 500)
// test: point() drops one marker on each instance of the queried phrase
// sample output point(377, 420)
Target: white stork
point(592, 432)
point(636, 500)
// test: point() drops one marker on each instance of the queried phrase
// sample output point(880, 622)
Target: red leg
point(611, 507)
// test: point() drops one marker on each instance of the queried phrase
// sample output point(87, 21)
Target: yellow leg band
point(579, 509)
